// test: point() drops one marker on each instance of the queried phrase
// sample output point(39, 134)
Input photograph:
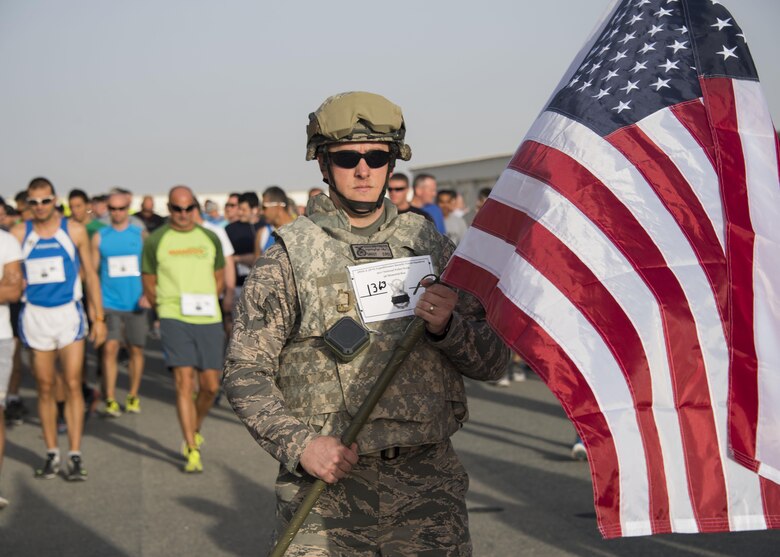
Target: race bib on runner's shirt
point(45, 270)
point(198, 305)
point(123, 266)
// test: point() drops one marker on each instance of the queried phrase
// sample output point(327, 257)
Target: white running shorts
point(46, 329)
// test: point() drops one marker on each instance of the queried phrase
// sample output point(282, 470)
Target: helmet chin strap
point(356, 208)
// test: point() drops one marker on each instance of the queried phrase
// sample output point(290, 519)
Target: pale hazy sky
point(215, 95)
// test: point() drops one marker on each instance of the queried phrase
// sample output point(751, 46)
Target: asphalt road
point(527, 497)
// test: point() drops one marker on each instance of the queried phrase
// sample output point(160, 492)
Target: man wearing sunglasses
point(398, 192)
point(183, 274)
point(276, 213)
point(52, 322)
point(295, 382)
point(116, 253)
point(231, 208)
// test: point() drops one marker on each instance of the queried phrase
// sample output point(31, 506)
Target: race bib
point(202, 305)
point(45, 270)
point(123, 266)
point(385, 289)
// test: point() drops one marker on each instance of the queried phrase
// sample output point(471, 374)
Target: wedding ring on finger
point(430, 309)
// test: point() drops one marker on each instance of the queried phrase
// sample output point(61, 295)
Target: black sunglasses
point(123, 208)
point(34, 201)
point(350, 159)
point(398, 189)
point(177, 209)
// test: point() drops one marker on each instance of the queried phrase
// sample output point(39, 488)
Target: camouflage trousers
point(414, 504)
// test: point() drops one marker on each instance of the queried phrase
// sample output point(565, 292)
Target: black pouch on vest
point(346, 338)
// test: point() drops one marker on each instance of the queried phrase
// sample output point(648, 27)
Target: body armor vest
point(426, 401)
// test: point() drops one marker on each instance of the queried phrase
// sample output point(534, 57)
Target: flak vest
point(426, 401)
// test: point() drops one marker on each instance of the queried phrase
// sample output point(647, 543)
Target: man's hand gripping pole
point(411, 335)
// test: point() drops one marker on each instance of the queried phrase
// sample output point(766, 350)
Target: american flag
point(631, 254)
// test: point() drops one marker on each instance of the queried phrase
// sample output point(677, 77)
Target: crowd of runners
point(79, 268)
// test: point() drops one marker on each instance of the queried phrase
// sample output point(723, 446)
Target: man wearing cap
point(400, 489)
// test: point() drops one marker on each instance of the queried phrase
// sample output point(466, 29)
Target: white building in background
point(468, 176)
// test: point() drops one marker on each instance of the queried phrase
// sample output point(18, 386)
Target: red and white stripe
point(602, 261)
point(743, 127)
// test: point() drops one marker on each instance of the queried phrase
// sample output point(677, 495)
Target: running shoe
point(133, 404)
point(194, 464)
point(112, 408)
point(503, 382)
point(76, 471)
point(50, 469)
point(199, 440)
point(3, 502)
point(14, 412)
point(578, 451)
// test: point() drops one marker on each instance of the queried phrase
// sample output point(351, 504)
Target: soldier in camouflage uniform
point(400, 490)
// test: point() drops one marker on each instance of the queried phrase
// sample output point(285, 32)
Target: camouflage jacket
point(287, 387)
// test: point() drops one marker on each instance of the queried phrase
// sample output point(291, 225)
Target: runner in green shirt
point(183, 273)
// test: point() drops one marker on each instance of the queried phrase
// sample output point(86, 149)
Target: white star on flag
point(662, 12)
point(585, 86)
point(602, 93)
point(661, 83)
point(669, 65)
point(647, 48)
point(639, 66)
point(727, 53)
point(618, 56)
point(655, 29)
point(610, 75)
point(628, 37)
point(722, 23)
point(630, 86)
point(622, 106)
point(677, 45)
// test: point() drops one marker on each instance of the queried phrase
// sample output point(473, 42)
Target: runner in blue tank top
point(52, 322)
point(51, 267)
point(116, 252)
point(120, 264)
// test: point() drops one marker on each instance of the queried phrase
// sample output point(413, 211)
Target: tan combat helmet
point(354, 117)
